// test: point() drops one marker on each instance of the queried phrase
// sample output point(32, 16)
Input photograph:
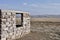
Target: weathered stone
point(9, 30)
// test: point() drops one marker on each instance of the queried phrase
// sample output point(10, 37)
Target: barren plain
point(43, 29)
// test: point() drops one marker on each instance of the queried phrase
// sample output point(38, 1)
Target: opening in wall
point(19, 19)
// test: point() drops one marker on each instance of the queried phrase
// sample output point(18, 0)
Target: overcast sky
point(35, 7)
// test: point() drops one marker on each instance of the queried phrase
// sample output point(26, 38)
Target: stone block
point(3, 38)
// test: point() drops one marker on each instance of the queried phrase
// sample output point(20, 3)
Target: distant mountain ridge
point(42, 16)
point(45, 16)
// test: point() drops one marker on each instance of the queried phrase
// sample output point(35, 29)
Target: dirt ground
point(43, 31)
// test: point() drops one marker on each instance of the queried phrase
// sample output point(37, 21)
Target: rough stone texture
point(9, 31)
point(0, 24)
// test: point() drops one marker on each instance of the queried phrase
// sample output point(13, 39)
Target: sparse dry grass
point(46, 19)
point(43, 30)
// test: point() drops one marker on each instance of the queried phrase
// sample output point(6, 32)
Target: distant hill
point(45, 16)
point(42, 16)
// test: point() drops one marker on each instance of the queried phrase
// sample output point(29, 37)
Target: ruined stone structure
point(9, 29)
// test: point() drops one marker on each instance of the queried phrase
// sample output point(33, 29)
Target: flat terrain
point(46, 19)
point(43, 30)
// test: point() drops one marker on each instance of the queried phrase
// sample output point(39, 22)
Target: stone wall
point(0, 24)
point(9, 31)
